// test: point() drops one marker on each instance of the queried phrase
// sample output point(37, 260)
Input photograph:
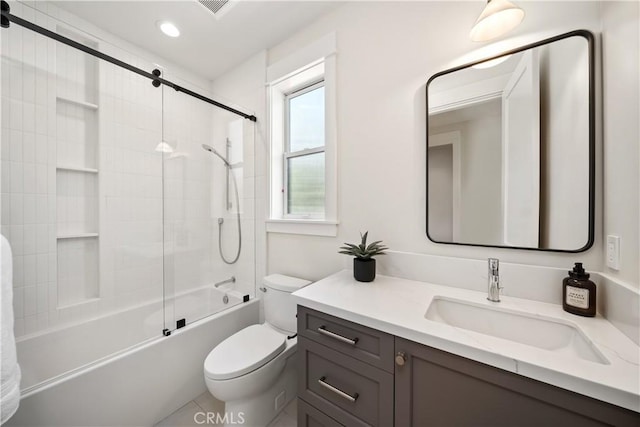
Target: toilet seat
point(243, 352)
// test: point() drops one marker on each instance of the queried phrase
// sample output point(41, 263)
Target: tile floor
point(288, 417)
point(184, 417)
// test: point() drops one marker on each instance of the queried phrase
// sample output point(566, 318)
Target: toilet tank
point(279, 307)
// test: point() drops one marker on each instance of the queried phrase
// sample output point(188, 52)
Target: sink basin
point(544, 333)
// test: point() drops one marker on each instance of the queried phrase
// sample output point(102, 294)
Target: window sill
point(307, 227)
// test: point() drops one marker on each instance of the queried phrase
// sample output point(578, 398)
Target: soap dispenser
point(579, 293)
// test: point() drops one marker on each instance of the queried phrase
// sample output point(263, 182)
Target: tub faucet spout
point(231, 279)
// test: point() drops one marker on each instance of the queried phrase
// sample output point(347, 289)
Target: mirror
point(511, 147)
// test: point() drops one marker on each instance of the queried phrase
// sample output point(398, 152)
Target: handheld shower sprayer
point(213, 151)
point(221, 220)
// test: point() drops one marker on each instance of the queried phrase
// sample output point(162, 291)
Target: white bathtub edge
point(138, 387)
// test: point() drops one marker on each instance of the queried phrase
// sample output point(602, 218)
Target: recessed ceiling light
point(168, 28)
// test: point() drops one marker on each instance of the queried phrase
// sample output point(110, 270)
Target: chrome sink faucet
point(494, 280)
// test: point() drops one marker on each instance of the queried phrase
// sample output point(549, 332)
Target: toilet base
point(260, 410)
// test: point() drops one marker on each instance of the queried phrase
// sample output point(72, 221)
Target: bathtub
point(142, 380)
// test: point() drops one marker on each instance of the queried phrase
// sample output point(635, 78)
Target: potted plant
point(364, 265)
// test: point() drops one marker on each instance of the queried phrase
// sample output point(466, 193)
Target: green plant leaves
point(364, 238)
point(363, 251)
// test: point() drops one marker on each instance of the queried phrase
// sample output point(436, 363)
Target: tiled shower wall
point(82, 182)
point(240, 134)
point(28, 155)
point(195, 198)
point(66, 198)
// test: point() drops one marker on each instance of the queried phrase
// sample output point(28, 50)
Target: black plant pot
point(364, 270)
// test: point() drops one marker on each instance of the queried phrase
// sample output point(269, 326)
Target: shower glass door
point(81, 197)
point(119, 221)
point(209, 255)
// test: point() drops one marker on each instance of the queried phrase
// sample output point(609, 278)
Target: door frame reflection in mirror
point(589, 37)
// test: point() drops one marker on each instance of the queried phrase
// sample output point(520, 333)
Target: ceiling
point(208, 46)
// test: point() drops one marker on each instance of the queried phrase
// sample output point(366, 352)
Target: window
point(302, 136)
point(304, 155)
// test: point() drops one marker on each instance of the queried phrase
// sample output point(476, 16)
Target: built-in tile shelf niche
point(77, 178)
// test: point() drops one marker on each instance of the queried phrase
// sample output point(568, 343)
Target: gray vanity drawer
point(308, 416)
point(366, 344)
point(345, 389)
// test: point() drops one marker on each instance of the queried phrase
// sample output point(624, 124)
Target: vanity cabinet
point(353, 375)
point(435, 388)
point(311, 417)
point(346, 372)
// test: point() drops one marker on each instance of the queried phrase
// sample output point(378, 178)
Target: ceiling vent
point(217, 7)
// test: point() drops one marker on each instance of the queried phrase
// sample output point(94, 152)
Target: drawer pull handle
point(337, 391)
point(338, 337)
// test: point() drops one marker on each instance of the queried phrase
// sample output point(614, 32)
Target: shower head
point(213, 151)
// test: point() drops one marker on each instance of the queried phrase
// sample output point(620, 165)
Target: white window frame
point(305, 67)
point(288, 154)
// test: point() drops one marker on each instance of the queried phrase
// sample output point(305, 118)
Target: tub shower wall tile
point(191, 191)
point(131, 187)
point(77, 203)
point(28, 176)
point(78, 271)
point(240, 135)
point(78, 156)
point(76, 175)
point(76, 135)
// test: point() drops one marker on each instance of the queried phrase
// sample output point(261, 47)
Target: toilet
point(254, 370)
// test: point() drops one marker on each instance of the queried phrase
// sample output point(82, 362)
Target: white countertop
point(398, 307)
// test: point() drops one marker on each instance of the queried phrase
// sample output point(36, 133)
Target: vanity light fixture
point(168, 28)
point(498, 18)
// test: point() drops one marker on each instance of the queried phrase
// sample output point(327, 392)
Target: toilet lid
point(243, 352)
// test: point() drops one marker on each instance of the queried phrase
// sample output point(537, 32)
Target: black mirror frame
point(592, 138)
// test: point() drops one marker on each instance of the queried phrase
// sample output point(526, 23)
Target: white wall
point(386, 53)
point(621, 86)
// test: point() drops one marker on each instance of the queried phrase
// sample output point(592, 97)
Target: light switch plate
point(613, 252)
